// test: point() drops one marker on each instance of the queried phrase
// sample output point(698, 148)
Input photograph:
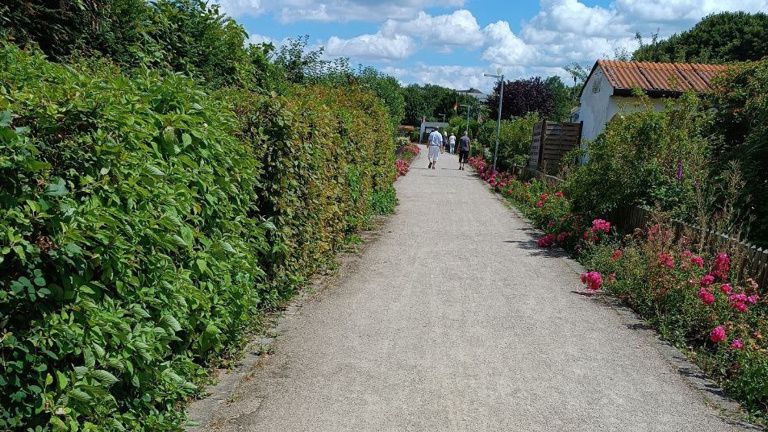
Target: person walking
point(452, 142)
point(464, 146)
point(435, 145)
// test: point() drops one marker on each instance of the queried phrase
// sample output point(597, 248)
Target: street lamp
point(498, 122)
point(443, 116)
point(468, 109)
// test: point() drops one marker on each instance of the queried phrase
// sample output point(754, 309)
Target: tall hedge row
point(144, 221)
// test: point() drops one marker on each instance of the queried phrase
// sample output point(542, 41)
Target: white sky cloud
point(441, 32)
point(334, 10)
point(372, 46)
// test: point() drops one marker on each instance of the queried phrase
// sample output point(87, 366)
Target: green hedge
point(144, 221)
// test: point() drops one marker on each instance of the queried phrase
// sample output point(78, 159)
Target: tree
point(387, 88)
point(718, 38)
point(522, 97)
point(562, 97)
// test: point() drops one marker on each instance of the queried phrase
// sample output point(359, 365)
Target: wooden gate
point(551, 140)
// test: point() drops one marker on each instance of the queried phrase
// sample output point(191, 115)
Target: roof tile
point(649, 76)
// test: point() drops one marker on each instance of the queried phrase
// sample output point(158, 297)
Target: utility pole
point(498, 122)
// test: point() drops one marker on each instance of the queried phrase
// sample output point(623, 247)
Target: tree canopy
point(718, 38)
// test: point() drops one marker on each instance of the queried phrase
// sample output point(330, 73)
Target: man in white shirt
point(452, 142)
point(435, 146)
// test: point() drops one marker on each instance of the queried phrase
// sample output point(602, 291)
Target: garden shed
point(609, 88)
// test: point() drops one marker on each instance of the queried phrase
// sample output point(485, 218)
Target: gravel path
point(456, 321)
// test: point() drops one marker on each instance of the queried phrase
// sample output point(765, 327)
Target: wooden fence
point(551, 140)
point(749, 260)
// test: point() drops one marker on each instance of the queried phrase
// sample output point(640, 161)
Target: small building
point(475, 93)
point(609, 88)
point(428, 127)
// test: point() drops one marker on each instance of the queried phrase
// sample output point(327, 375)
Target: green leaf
point(79, 396)
point(5, 119)
point(172, 323)
point(186, 139)
point(57, 188)
point(90, 360)
point(104, 377)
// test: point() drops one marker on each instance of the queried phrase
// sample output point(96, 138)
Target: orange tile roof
point(659, 77)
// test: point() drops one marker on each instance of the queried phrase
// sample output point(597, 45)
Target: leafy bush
point(741, 115)
point(143, 221)
point(514, 141)
point(644, 158)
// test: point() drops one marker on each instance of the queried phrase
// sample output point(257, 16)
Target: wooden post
point(541, 141)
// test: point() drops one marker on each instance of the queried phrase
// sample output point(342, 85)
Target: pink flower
point(726, 289)
point(616, 254)
point(687, 253)
point(707, 280)
point(540, 204)
point(722, 265)
point(562, 237)
point(593, 280)
point(718, 334)
point(736, 344)
point(543, 197)
point(559, 194)
point(706, 297)
point(697, 261)
point(739, 306)
point(752, 299)
point(665, 259)
point(601, 225)
point(547, 241)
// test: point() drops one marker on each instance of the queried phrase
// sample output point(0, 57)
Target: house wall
point(595, 105)
point(598, 105)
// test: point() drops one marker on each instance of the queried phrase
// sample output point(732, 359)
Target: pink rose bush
point(401, 168)
point(593, 280)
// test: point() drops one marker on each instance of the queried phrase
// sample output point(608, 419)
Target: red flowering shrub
point(401, 168)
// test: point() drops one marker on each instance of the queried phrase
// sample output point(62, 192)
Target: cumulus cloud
point(334, 10)
point(441, 32)
point(372, 46)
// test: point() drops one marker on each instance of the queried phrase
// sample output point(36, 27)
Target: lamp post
point(498, 122)
point(443, 116)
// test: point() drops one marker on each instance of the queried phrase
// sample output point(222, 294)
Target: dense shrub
point(514, 141)
point(645, 158)
point(739, 101)
point(143, 221)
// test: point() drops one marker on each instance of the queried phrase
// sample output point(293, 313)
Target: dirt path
point(455, 320)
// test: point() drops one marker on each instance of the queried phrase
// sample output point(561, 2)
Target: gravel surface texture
point(455, 321)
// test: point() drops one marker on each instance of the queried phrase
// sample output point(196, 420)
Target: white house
point(608, 89)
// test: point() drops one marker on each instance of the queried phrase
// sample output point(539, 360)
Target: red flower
point(718, 334)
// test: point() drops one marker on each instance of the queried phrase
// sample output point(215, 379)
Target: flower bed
point(694, 300)
point(403, 164)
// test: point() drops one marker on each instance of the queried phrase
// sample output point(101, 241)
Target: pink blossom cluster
point(739, 301)
point(616, 254)
point(666, 259)
point(547, 241)
point(706, 297)
point(707, 280)
point(697, 261)
point(722, 266)
point(593, 280)
point(401, 168)
point(718, 334)
point(601, 225)
point(562, 237)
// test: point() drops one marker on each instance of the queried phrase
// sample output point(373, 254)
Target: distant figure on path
point(464, 146)
point(435, 145)
point(452, 142)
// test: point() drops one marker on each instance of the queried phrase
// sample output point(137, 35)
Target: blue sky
point(453, 42)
